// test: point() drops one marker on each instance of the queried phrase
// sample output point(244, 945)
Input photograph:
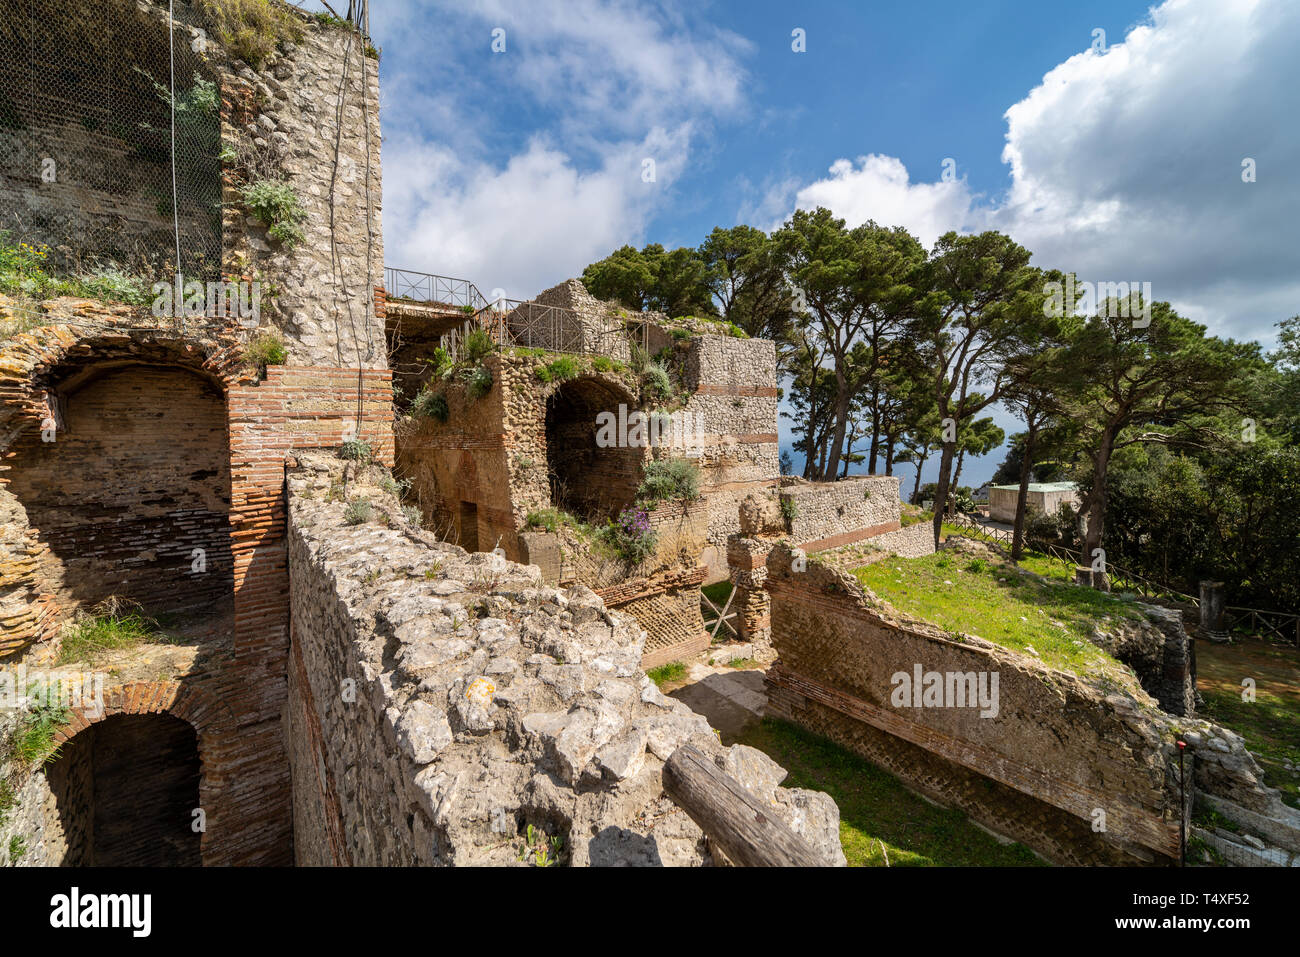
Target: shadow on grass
point(878, 815)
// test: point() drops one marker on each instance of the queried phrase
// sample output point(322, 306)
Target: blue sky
point(515, 169)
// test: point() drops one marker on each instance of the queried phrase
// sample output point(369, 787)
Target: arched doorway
point(130, 494)
point(587, 479)
point(125, 792)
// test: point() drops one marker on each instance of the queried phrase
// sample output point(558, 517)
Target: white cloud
point(878, 188)
point(1127, 166)
point(612, 84)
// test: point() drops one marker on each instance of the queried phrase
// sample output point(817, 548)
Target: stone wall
point(441, 702)
point(1060, 752)
point(829, 514)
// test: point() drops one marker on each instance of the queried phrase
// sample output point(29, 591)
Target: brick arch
point(592, 481)
point(35, 363)
point(214, 726)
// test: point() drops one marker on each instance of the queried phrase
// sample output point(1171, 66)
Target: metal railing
point(438, 290)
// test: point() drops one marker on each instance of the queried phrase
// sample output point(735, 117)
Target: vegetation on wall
point(668, 479)
point(276, 206)
point(252, 30)
point(23, 274)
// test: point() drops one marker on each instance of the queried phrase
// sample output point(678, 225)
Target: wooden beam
point(732, 819)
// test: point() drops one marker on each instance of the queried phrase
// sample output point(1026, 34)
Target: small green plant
point(33, 740)
point(639, 358)
point(549, 519)
point(602, 364)
point(7, 800)
point(789, 509)
point(267, 348)
point(276, 206)
point(17, 848)
point(478, 346)
point(115, 624)
point(667, 479)
point(250, 29)
point(412, 515)
point(657, 380)
point(631, 536)
point(479, 382)
point(328, 19)
point(358, 512)
point(560, 370)
point(680, 333)
point(113, 285)
point(430, 405)
point(355, 450)
point(673, 671)
point(434, 569)
point(440, 362)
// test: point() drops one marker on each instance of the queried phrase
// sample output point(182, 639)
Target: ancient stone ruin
point(402, 555)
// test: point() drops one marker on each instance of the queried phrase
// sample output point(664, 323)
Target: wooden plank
point(730, 816)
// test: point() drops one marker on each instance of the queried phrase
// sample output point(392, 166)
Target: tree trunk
point(1022, 496)
point(916, 488)
point(889, 456)
point(875, 430)
point(1095, 509)
point(842, 402)
point(941, 493)
point(956, 475)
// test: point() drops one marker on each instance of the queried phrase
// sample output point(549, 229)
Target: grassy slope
point(1002, 604)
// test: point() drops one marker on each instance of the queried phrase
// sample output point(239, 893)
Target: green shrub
point(356, 450)
point(790, 509)
point(478, 346)
point(657, 380)
point(112, 625)
point(250, 29)
point(267, 348)
point(673, 671)
point(115, 285)
point(680, 333)
point(666, 479)
point(639, 358)
point(358, 512)
point(560, 370)
point(479, 382)
point(440, 362)
point(549, 519)
point(430, 405)
point(412, 515)
point(630, 535)
point(276, 205)
point(602, 364)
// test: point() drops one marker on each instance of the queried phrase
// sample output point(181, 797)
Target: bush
point(412, 515)
point(790, 509)
point(250, 29)
point(267, 349)
point(276, 205)
point(631, 535)
point(356, 450)
point(561, 370)
point(669, 479)
point(478, 346)
point(479, 382)
point(602, 364)
point(657, 380)
point(441, 362)
point(549, 519)
point(358, 512)
point(430, 405)
point(115, 285)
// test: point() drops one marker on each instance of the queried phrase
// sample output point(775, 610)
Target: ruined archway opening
point(130, 493)
point(589, 475)
point(126, 790)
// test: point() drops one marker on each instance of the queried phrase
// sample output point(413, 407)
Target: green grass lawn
point(1002, 604)
point(876, 809)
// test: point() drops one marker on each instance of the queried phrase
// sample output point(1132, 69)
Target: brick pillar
point(749, 600)
point(381, 302)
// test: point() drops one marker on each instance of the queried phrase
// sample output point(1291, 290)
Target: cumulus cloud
point(878, 187)
point(517, 169)
point(1127, 165)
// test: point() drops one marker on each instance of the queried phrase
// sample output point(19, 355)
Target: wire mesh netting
point(86, 139)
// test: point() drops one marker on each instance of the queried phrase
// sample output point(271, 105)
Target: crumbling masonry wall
point(1059, 750)
point(441, 702)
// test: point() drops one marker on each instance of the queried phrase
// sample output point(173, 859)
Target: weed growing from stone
point(479, 383)
point(355, 450)
point(358, 512)
point(267, 349)
point(33, 740)
point(673, 671)
point(668, 479)
point(430, 405)
point(276, 206)
point(250, 29)
point(113, 625)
